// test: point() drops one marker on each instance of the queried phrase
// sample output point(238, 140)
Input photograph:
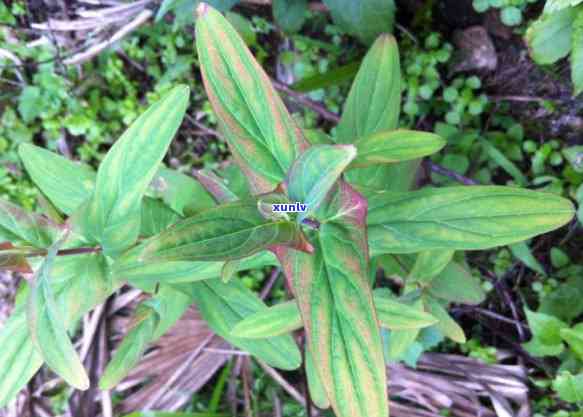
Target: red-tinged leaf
point(337, 308)
point(17, 224)
point(13, 259)
point(215, 186)
point(261, 134)
point(231, 231)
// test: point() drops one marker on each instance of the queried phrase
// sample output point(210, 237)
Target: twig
point(294, 393)
point(438, 169)
point(140, 19)
point(309, 103)
point(270, 282)
point(521, 99)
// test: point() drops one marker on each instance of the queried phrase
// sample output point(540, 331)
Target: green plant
point(557, 34)
point(363, 18)
point(510, 10)
point(138, 223)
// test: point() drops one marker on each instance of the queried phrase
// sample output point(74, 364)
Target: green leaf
point(373, 106)
point(395, 146)
point(457, 284)
point(545, 328)
point(187, 6)
point(445, 324)
point(574, 155)
point(156, 217)
point(373, 103)
point(18, 351)
point(16, 224)
point(549, 37)
point(577, 53)
point(274, 321)
point(574, 338)
point(28, 103)
point(401, 340)
point(521, 251)
point(503, 162)
point(132, 347)
point(181, 193)
point(334, 76)
point(461, 218)
point(231, 231)
point(260, 132)
point(396, 315)
point(223, 306)
point(66, 184)
point(315, 172)
point(364, 18)
point(112, 217)
point(147, 273)
point(569, 387)
point(538, 349)
point(48, 330)
point(317, 390)
point(552, 6)
point(337, 307)
point(79, 284)
point(428, 264)
point(290, 14)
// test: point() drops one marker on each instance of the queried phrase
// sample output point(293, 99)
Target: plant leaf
point(260, 132)
point(66, 184)
point(112, 216)
point(569, 387)
point(274, 321)
point(461, 218)
point(456, 283)
point(335, 300)
point(48, 330)
point(79, 284)
point(552, 6)
point(223, 306)
point(549, 37)
point(215, 186)
point(315, 172)
point(317, 390)
point(387, 147)
point(445, 324)
point(577, 54)
point(132, 346)
point(428, 264)
point(181, 193)
point(364, 18)
point(156, 217)
point(521, 251)
point(547, 329)
point(231, 231)
point(290, 14)
point(147, 273)
point(396, 315)
point(18, 351)
point(16, 224)
point(373, 105)
point(574, 338)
